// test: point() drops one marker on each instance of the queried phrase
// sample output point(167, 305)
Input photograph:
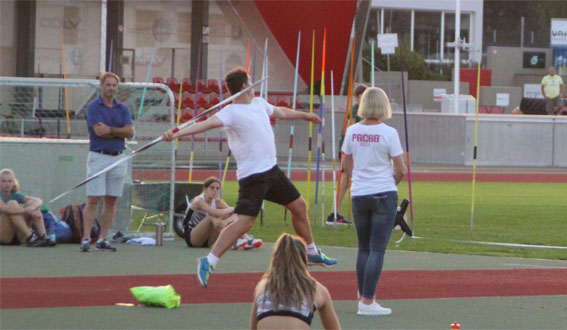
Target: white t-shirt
point(372, 148)
point(250, 136)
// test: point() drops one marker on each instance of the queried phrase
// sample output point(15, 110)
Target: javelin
point(322, 115)
point(294, 105)
point(407, 140)
point(308, 194)
point(220, 131)
point(475, 145)
point(157, 140)
point(66, 92)
point(195, 107)
point(333, 149)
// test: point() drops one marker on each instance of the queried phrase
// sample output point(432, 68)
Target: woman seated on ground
point(18, 213)
point(287, 296)
point(207, 216)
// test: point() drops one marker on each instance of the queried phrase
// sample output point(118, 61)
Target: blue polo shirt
point(116, 116)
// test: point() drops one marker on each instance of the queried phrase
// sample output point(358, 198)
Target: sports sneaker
point(373, 309)
point(252, 242)
point(85, 245)
point(240, 243)
point(320, 259)
point(36, 241)
point(340, 221)
point(104, 245)
point(204, 270)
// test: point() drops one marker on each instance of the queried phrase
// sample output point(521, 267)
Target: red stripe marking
point(182, 175)
point(43, 292)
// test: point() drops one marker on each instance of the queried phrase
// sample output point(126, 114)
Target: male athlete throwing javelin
point(251, 139)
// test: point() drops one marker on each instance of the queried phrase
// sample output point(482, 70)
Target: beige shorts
point(550, 104)
point(109, 183)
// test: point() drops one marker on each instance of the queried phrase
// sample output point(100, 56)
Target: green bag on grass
point(157, 296)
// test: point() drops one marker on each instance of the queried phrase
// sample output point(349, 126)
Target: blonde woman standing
point(374, 159)
point(287, 296)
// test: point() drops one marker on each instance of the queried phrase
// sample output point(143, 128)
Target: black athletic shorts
point(187, 230)
point(271, 185)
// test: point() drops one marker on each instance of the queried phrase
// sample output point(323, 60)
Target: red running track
point(42, 292)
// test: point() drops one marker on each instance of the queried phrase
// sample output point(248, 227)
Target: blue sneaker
point(320, 259)
point(204, 270)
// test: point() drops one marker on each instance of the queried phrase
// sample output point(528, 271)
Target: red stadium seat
point(213, 85)
point(272, 100)
point(175, 98)
point(298, 104)
point(202, 101)
point(201, 87)
point(187, 101)
point(173, 84)
point(215, 99)
point(158, 80)
point(283, 102)
point(188, 86)
point(187, 115)
point(202, 118)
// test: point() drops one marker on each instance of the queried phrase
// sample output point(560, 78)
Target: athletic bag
point(73, 216)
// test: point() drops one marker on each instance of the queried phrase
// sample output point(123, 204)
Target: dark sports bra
point(265, 308)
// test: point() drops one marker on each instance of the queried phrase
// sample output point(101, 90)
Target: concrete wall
point(506, 64)
point(421, 92)
point(488, 96)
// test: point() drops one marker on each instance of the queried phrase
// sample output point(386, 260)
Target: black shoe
point(104, 245)
point(36, 241)
point(400, 221)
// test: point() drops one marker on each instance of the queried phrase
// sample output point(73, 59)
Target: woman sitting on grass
point(18, 213)
point(287, 296)
point(207, 216)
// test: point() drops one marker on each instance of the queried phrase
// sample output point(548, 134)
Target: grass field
point(521, 213)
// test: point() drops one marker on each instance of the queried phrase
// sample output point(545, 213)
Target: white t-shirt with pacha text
point(250, 136)
point(372, 148)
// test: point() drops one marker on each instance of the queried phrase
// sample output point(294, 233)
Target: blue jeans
point(374, 217)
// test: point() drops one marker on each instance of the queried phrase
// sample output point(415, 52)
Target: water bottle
point(159, 233)
point(51, 232)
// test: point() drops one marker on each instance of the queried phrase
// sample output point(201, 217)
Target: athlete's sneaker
point(320, 259)
point(104, 245)
point(204, 270)
point(36, 241)
point(373, 309)
point(252, 242)
point(240, 243)
point(340, 220)
point(85, 245)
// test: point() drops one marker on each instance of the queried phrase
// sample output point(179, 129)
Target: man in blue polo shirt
point(109, 123)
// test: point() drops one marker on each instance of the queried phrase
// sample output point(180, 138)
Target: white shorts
point(109, 183)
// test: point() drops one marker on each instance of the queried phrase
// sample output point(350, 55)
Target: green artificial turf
point(519, 213)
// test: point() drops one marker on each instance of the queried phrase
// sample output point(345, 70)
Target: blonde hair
point(375, 104)
point(287, 280)
point(11, 172)
point(106, 75)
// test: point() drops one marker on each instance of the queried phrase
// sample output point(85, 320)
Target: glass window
point(398, 21)
point(427, 31)
point(450, 33)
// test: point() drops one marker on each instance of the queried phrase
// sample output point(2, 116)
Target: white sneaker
point(373, 309)
point(240, 243)
point(252, 242)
